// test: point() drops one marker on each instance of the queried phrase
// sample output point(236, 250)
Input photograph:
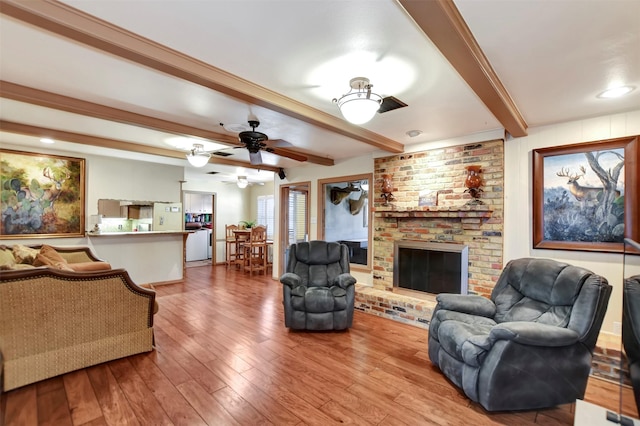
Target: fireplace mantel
point(471, 217)
point(472, 211)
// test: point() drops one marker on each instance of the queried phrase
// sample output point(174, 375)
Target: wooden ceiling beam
point(46, 99)
point(83, 139)
point(443, 24)
point(74, 24)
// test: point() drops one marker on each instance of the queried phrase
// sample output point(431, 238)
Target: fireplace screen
point(431, 267)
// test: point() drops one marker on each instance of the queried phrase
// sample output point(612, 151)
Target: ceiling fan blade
point(284, 152)
point(255, 158)
point(278, 143)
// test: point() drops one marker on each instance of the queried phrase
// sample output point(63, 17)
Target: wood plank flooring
point(224, 357)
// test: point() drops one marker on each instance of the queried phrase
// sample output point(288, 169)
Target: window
point(297, 216)
point(266, 213)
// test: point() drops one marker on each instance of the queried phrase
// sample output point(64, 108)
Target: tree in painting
point(579, 211)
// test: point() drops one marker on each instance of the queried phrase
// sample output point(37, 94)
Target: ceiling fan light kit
point(197, 157)
point(360, 104)
point(242, 182)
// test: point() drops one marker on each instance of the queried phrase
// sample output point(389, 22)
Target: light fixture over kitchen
point(198, 157)
point(360, 104)
point(242, 182)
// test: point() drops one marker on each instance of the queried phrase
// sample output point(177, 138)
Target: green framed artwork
point(42, 195)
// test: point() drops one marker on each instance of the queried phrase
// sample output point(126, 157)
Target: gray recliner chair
point(631, 331)
point(530, 345)
point(318, 290)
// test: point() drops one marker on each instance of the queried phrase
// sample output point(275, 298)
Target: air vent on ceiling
point(390, 103)
point(222, 153)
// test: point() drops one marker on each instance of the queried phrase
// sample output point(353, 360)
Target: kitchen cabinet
point(111, 208)
point(140, 212)
point(198, 203)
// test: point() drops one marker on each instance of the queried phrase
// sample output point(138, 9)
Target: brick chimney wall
point(451, 221)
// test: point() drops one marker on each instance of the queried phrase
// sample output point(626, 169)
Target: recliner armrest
point(467, 303)
point(345, 280)
point(290, 279)
point(534, 334)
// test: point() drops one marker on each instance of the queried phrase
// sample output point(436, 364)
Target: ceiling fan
point(255, 142)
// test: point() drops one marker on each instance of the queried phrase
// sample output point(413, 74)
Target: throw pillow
point(47, 257)
point(41, 260)
point(24, 254)
point(6, 258)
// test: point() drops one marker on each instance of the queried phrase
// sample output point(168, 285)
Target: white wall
point(518, 240)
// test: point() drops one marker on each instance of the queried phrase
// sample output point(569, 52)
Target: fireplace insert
point(431, 267)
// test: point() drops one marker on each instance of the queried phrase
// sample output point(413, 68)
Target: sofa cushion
point(24, 254)
point(89, 266)
point(19, 266)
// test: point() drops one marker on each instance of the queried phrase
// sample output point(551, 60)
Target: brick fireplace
point(443, 172)
point(440, 172)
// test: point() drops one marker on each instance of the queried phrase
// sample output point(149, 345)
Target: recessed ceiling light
point(413, 133)
point(47, 140)
point(616, 92)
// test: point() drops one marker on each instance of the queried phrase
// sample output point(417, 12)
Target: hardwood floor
point(224, 357)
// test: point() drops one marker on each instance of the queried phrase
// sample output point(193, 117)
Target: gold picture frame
point(43, 195)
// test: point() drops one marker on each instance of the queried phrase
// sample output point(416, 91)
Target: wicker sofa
point(54, 320)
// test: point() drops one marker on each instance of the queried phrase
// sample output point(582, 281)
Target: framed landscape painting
point(585, 196)
point(42, 195)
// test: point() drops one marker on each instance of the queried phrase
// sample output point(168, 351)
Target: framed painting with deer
point(585, 196)
point(42, 195)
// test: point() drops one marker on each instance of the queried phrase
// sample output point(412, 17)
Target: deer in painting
point(34, 192)
point(52, 193)
point(585, 194)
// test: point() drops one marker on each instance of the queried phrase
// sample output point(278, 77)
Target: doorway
point(199, 217)
point(294, 218)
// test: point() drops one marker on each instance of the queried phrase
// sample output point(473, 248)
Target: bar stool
point(255, 250)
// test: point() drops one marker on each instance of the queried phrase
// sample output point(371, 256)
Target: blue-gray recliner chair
point(318, 289)
point(530, 345)
point(631, 331)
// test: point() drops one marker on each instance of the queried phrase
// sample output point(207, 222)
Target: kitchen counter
point(150, 257)
point(120, 234)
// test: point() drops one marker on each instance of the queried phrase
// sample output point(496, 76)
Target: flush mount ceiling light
point(360, 104)
point(198, 157)
point(615, 92)
point(242, 182)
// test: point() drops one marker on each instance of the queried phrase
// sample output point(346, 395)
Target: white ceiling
point(553, 58)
